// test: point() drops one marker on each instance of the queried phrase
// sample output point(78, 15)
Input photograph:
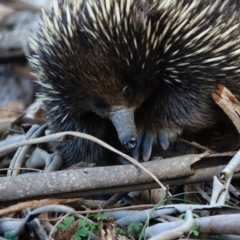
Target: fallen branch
point(60, 137)
point(104, 180)
point(221, 224)
point(179, 231)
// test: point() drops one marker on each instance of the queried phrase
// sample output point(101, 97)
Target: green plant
point(135, 228)
point(120, 231)
point(101, 216)
point(10, 236)
point(67, 222)
point(82, 230)
point(194, 230)
point(164, 201)
point(84, 227)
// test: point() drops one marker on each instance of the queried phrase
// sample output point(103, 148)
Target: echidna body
point(120, 69)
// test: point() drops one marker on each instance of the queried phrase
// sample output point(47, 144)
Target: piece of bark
point(229, 104)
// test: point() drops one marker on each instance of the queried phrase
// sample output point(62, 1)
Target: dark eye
point(129, 92)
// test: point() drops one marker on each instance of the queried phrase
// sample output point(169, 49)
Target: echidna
point(131, 71)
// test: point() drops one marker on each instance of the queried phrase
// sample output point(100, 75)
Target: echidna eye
point(128, 92)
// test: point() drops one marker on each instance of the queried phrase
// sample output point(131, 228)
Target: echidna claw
point(146, 141)
point(144, 146)
point(163, 140)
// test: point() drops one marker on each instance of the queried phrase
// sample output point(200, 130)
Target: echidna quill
point(130, 72)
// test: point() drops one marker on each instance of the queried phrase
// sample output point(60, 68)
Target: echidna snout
point(130, 143)
point(123, 120)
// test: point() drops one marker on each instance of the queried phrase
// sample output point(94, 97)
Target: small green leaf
point(196, 233)
point(120, 231)
point(194, 230)
point(68, 221)
point(135, 228)
point(10, 236)
point(75, 237)
point(82, 232)
point(82, 223)
point(93, 227)
point(101, 216)
point(62, 226)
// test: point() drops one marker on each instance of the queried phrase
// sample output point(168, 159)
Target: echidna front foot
point(147, 140)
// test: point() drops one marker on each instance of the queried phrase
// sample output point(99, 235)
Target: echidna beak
point(123, 120)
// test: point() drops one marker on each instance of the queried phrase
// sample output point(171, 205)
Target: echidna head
point(94, 56)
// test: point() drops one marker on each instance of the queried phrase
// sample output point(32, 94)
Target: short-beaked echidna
point(129, 71)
